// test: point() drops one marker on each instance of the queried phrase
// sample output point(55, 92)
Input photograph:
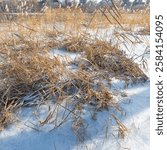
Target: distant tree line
point(30, 6)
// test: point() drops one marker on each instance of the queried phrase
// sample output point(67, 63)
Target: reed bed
point(27, 67)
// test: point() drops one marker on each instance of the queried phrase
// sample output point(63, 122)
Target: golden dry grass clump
point(6, 114)
point(24, 64)
point(103, 56)
point(90, 89)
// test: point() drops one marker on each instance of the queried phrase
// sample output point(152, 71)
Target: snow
point(98, 133)
point(64, 54)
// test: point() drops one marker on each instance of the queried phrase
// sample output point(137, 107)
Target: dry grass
point(6, 113)
point(113, 60)
point(26, 66)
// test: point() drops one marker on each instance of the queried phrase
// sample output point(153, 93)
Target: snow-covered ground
point(99, 134)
